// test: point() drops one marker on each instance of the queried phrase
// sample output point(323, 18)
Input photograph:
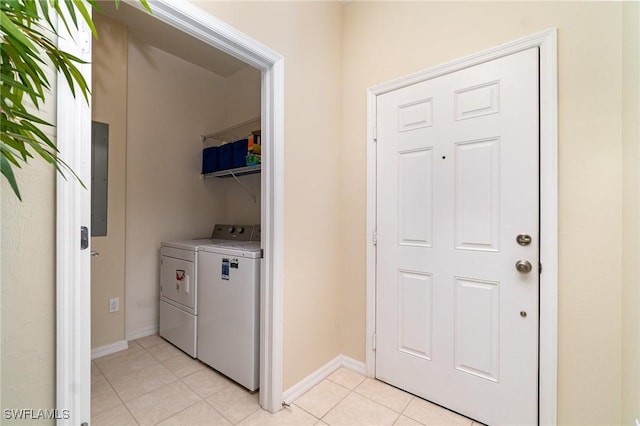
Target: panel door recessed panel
point(477, 101)
point(415, 313)
point(415, 115)
point(477, 195)
point(477, 321)
point(415, 197)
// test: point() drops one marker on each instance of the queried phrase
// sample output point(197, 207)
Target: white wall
point(170, 104)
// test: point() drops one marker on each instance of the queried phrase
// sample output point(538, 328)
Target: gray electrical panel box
point(99, 178)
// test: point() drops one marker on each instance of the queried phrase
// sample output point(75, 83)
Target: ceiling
point(146, 29)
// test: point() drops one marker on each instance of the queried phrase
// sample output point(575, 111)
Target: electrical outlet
point(114, 305)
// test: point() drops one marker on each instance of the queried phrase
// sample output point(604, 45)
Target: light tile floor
point(153, 383)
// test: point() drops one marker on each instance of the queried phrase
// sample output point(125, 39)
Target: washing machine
point(229, 303)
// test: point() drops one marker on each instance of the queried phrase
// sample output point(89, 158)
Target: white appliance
point(178, 293)
point(228, 327)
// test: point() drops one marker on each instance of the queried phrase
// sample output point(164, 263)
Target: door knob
point(523, 266)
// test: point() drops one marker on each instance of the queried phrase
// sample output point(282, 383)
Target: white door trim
point(73, 266)
point(547, 42)
point(71, 312)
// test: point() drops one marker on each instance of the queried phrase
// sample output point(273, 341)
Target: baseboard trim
point(109, 349)
point(143, 332)
point(297, 390)
point(353, 365)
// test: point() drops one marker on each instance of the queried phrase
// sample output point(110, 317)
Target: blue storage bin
point(225, 156)
point(240, 151)
point(210, 160)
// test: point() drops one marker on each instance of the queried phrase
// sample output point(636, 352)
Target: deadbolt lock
point(523, 239)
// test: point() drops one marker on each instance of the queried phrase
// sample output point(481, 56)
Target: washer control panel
point(236, 232)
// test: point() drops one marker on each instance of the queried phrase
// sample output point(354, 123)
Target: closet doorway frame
point(73, 273)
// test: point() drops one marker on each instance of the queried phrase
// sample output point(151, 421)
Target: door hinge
point(375, 238)
point(539, 268)
point(375, 133)
point(373, 341)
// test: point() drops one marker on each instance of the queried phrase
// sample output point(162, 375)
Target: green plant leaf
point(32, 118)
point(145, 4)
point(7, 172)
point(9, 27)
point(27, 29)
point(44, 6)
point(7, 81)
point(60, 13)
point(86, 15)
point(72, 12)
point(9, 155)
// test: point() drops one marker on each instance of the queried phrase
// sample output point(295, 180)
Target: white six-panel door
point(457, 182)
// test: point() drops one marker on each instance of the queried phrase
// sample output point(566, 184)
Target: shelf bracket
point(244, 188)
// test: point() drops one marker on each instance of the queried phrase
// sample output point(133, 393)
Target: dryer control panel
point(236, 232)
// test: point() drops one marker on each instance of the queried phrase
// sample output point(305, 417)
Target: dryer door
point(178, 284)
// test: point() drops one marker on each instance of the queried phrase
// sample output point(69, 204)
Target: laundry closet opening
point(170, 102)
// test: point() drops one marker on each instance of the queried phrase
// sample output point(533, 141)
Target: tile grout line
point(178, 412)
point(228, 419)
point(117, 395)
point(214, 408)
point(178, 379)
point(380, 404)
point(332, 407)
point(126, 407)
point(345, 397)
point(354, 390)
point(306, 411)
point(383, 405)
point(139, 396)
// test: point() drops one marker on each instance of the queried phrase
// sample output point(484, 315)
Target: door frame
point(73, 265)
point(546, 41)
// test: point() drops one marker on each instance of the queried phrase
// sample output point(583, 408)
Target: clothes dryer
point(179, 294)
